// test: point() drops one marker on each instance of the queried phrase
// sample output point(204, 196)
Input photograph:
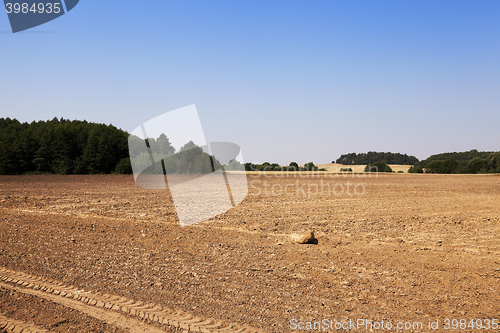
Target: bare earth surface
point(397, 247)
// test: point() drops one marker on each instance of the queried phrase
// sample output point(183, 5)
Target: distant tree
point(310, 167)
point(447, 166)
point(191, 159)
point(378, 167)
point(162, 147)
point(494, 163)
point(251, 167)
point(188, 146)
point(124, 167)
point(60, 146)
point(372, 157)
point(416, 169)
point(234, 165)
point(434, 167)
point(266, 166)
point(472, 161)
point(463, 158)
point(477, 165)
point(293, 166)
point(451, 166)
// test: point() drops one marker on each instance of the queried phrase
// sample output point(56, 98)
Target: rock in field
point(303, 238)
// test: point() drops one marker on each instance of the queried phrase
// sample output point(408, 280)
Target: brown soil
point(411, 248)
point(49, 315)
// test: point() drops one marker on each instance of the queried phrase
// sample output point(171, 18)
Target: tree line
point(293, 166)
point(190, 159)
point(470, 162)
point(60, 146)
point(372, 157)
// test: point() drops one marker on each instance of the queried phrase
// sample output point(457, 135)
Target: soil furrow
point(108, 307)
point(13, 326)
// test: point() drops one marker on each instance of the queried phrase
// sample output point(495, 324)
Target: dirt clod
point(303, 238)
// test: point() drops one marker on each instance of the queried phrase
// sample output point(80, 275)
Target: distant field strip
point(118, 311)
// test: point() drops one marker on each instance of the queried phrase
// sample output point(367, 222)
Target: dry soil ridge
point(14, 326)
point(108, 307)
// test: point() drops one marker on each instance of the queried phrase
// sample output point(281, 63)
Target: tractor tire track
point(14, 326)
point(115, 310)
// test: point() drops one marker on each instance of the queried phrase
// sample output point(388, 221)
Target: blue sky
point(286, 80)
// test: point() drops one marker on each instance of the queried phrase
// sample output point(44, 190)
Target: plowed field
point(393, 248)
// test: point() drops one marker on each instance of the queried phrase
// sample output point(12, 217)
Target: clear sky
point(286, 80)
